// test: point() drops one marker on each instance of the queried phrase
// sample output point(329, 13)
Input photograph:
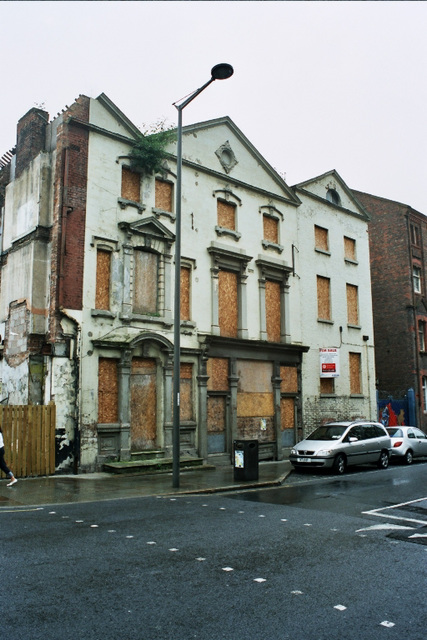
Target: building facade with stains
point(275, 318)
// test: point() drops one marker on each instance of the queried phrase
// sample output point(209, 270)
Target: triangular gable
point(206, 144)
point(317, 188)
point(105, 114)
point(148, 227)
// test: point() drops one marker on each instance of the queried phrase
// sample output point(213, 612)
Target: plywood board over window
point(352, 305)
point(355, 373)
point(287, 413)
point(327, 385)
point(321, 238)
point(103, 271)
point(217, 370)
point(228, 303)
point(271, 229)
point(143, 402)
point(185, 293)
point(323, 298)
point(145, 282)
point(163, 195)
point(186, 392)
point(350, 248)
point(131, 185)
point(289, 376)
point(108, 397)
point(226, 215)
point(273, 310)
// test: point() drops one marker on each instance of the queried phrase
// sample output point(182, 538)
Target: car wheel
point(409, 456)
point(383, 460)
point(340, 464)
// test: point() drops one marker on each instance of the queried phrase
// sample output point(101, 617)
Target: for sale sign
point(329, 362)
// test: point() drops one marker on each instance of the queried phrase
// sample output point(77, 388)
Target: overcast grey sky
point(317, 85)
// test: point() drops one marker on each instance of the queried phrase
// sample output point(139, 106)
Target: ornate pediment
point(150, 230)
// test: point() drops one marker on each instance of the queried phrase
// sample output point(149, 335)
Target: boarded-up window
point(355, 374)
point(131, 185)
point(186, 392)
point(272, 310)
point(271, 229)
point(289, 376)
point(163, 196)
point(352, 305)
point(254, 389)
point(103, 268)
point(349, 248)
point(228, 312)
point(108, 395)
point(321, 238)
point(323, 298)
point(287, 413)
point(216, 414)
point(327, 385)
point(185, 293)
point(145, 282)
point(226, 215)
point(143, 403)
point(217, 370)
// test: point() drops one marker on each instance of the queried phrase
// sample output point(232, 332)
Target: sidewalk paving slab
point(92, 487)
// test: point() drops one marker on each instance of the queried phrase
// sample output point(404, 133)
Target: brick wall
point(31, 137)
point(395, 307)
point(69, 218)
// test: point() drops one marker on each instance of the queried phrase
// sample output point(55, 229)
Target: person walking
point(3, 465)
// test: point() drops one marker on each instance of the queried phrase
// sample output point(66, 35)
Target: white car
point(340, 444)
point(407, 443)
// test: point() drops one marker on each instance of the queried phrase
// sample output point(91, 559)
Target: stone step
point(149, 454)
point(161, 465)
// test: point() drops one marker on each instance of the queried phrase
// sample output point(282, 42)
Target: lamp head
point(222, 71)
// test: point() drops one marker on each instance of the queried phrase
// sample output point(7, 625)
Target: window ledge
point(145, 318)
point(325, 253)
point(350, 261)
point(272, 245)
point(357, 395)
point(102, 313)
point(123, 203)
point(222, 231)
point(325, 321)
point(162, 212)
point(354, 326)
point(327, 395)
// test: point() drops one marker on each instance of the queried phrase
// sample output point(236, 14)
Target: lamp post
point(219, 72)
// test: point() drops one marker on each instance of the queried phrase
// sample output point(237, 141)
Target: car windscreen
point(328, 432)
point(395, 432)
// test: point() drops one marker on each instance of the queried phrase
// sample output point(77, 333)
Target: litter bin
point(245, 459)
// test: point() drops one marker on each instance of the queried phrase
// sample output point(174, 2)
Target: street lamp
point(219, 72)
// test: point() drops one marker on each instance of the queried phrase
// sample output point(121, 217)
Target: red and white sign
point(329, 362)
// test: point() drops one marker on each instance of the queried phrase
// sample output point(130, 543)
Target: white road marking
point(388, 624)
point(296, 593)
point(260, 580)
point(380, 512)
point(384, 527)
point(419, 535)
point(200, 559)
point(227, 569)
point(340, 607)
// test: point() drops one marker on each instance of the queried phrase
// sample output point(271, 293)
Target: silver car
point(340, 444)
point(407, 443)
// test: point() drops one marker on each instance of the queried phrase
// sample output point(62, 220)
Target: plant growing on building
point(148, 153)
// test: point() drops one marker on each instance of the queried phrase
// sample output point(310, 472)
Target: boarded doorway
point(143, 404)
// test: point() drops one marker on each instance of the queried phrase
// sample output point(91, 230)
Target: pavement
point(94, 487)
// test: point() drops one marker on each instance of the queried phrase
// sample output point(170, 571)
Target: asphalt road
point(323, 558)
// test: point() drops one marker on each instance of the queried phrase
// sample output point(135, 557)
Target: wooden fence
point(29, 438)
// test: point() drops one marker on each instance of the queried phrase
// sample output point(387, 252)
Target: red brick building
point(398, 248)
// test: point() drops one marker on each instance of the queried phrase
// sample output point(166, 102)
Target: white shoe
point(14, 481)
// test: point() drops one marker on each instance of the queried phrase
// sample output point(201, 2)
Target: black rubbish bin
point(245, 459)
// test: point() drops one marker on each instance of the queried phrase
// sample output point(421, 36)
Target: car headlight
point(324, 452)
point(294, 452)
